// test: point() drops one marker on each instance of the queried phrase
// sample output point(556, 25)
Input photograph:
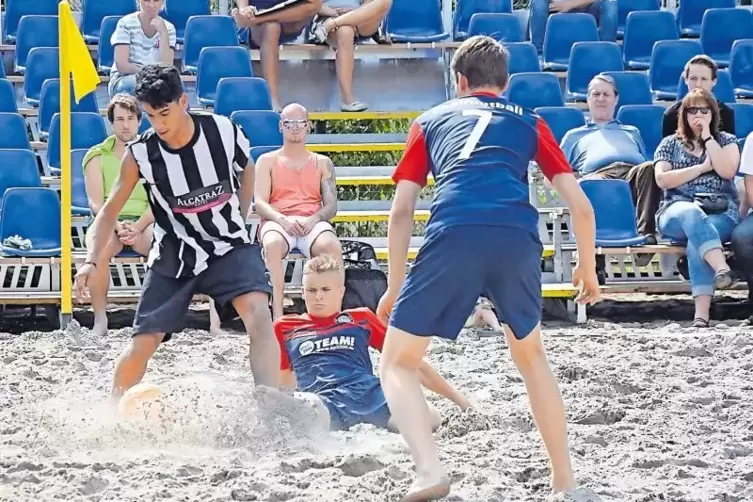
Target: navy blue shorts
point(456, 265)
point(356, 403)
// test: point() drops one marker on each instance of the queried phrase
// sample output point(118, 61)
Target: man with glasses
point(295, 197)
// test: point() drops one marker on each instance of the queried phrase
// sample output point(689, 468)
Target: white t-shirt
point(338, 4)
point(142, 50)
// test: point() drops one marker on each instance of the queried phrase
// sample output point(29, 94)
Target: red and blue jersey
point(478, 149)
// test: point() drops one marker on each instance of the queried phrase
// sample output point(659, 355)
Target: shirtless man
point(325, 354)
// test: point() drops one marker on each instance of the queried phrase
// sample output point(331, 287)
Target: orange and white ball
point(141, 403)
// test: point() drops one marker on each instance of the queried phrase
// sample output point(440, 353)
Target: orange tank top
point(296, 192)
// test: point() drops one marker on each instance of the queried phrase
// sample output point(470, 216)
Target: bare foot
point(100, 324)
point(426, 488)
point(577, 495)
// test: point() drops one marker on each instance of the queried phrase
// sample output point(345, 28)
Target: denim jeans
point(685, 221)
point(605, 12)
point(742, 246)
point(123, 83)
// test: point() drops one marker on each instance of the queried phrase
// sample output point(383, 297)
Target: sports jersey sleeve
point(414, 165)
point(242, 148)
point(280, 327)
point(549, 155)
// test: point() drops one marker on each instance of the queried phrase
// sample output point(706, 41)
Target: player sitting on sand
point(325, 354)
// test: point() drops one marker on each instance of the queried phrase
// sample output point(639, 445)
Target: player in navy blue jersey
point(481, 239)
point(325, 354)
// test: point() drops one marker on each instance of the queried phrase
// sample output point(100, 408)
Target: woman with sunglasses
point(695, 168)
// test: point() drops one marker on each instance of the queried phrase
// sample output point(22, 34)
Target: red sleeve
point(414, 165)
point(281, 326)
point(549, 156)
point(377, 330)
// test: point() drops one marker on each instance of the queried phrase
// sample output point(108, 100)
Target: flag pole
point(66, 267)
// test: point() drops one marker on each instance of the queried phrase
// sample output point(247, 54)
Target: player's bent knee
point(403, 349)
point(144, 344)
point(526, 351)
point(253, 307)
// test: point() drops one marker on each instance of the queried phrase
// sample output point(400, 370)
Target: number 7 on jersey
point(484, 117)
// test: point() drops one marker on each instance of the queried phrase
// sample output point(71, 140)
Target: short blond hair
point(322, 263)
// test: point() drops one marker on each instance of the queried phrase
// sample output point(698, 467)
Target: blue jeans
point(123, 83)
point(685, 221)
point(742, 246)
point(605, 12)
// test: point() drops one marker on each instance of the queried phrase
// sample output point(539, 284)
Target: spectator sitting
point(101, 170)
point(701, 72)
point(695, 168)
point(604, 11)
point(271, 30)
point(742, 236)
point(606, 149)
point(296, 197)
point(341, 23)
point(140, 39)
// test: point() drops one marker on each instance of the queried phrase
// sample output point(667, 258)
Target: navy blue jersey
point(478, 149)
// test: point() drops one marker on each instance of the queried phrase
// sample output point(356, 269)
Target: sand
point(658, 412)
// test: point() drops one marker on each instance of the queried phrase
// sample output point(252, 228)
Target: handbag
point(365, 282)
point(711, 203)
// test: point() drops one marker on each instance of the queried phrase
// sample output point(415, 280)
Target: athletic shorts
point(165, 300)
point(303, 243)
point(356, 403)
point(458, 264)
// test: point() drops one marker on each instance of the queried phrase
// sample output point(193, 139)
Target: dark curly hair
point(158, 85)
point(701, 98)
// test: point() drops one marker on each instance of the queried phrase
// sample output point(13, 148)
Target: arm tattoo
point(329, 192)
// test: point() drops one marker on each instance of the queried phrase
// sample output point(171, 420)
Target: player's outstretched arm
point(435, 382)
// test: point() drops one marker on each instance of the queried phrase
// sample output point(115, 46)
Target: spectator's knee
point(540, 7)
point(275, 248)
point(327, 243)
point(346, 37)
point(742, 240)
point(314, 6)
point(271, 33)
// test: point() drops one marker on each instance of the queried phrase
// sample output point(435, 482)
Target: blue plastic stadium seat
point(258, 151)
point(241, 93)
point(49, 104)
point(262, 127)
point(743, 119)
point(562, 31)
point(501, 27)
point(741, 67)
point(561, 119)
point(613, 206)
point(625, 7)
point(87, 130)
point(34, 31)
point(43, 229)
point(523, 58)
point(23, 173)
point(690, 14)
point(94, 12)
point(16, 9)
point(216, 63)
point(105, 51)
point(7, 97)
point(42, 63)
point(79, 198)
point(534, 90)
point(415, 21)
point(207, 31)
point(633, 88)
point(668, 60)
point(723, 90)
point(643, 29)
point(465, 9)
point(719, 30)
point(588, 59)
point(144, 124)
point(179, 11)
point(648, 120)
point(14, 132)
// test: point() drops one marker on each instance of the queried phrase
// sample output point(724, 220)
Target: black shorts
point(165, 300)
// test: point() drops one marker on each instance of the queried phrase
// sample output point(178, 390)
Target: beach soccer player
point(199, 182)
point(325, 354)
point(481, 238)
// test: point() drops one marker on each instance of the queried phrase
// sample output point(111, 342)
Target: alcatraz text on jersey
point(202, 199)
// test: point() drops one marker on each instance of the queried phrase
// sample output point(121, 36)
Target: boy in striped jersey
point(199, 181)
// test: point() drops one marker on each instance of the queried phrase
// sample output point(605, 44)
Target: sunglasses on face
point(295, 124)
point(693, 110)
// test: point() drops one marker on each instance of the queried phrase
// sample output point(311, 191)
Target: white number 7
point(484, 117)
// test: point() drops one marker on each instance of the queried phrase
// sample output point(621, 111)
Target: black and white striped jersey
point(192, 193)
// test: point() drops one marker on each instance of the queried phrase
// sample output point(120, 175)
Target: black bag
point(365, 282)
point(711, 203)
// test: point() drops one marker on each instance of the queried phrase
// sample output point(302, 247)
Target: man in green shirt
point(101, 170)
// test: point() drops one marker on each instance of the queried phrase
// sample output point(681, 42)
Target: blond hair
point(322, 263)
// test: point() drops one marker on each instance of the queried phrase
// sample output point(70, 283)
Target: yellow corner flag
point(76, 63)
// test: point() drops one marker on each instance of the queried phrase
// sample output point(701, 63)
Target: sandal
point(724, 279)
point(319, 34)
point(700, 322)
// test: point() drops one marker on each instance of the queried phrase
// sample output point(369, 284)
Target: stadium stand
point(79, 199)
point(43, 230)
point(34, 31)
point(49, 105)
point(615, 213)
point(90, 129)
point(625, 7)
point(724, 91)
point(399, 81)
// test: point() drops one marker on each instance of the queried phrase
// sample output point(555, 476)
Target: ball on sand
point(141, 403)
